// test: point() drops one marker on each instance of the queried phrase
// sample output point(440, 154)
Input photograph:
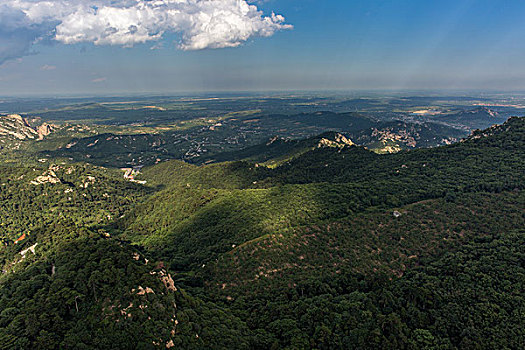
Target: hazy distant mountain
point(221, 140)
point(391, 137)
point(478, 118)
point(382, 137)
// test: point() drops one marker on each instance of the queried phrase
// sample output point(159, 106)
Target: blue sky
point(353, 45)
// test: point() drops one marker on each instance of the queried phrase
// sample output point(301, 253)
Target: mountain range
point(316, 242)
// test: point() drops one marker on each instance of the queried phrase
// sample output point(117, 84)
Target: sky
point(68, 47)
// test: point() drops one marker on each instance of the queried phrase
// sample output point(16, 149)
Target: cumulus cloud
point(18, 32)
point(199, 24)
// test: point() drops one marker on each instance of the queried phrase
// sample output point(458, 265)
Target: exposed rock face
point(44, 130)
point(48, 177)
point(19, 119)
point(143, 291)
point(30, 249)
point(166, 279)
point(408, 136)
point(338, 141)
point(14, 126)
point(272, 140)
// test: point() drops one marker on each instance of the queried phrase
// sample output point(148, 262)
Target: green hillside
point(232, 203)
point(66, 283)
point(276, 149)
point(291, 244)
point(93, 293)
point(313, 248)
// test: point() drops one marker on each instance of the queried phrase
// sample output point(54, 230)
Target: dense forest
point(305, 244)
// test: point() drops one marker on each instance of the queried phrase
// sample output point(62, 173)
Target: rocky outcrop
point(408, 136)
point(48, 177)
point(30, 249)
point(44, 130)
point(338, 141)
point(14, 126)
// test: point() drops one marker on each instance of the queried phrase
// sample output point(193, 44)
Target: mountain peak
point(334, 139)
point(514, 125)
point(485, 109)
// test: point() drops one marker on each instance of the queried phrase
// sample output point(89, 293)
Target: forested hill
point(493, 156)
point(90, 292)
point(67, 283)
point(305, 245)
point(481, 117)
point(277, 150)
point(344, 248)
point(231, 203)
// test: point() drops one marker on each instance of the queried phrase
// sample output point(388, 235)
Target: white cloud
point(199, 24)
point(18, 33)
point(157, 46)
point(99, 80)
point(48, 67)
